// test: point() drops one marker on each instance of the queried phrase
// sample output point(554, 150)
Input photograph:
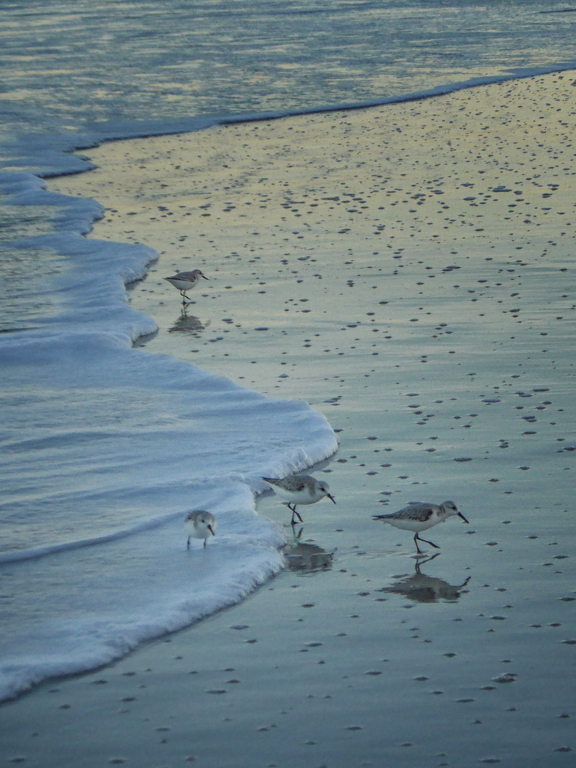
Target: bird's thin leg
point(292, 508)
point(205, 540)
point(427, 542)
point(188, 545)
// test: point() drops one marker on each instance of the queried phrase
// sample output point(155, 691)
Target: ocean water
point(105, 446)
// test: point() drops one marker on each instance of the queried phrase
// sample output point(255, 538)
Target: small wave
point(51, 549)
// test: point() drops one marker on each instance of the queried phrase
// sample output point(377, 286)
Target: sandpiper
point(200, 525)
point(419, 516)
point(300, 489)
point(185, 281)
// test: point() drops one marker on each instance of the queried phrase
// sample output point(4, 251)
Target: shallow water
point(463, 658)
point(94, 439)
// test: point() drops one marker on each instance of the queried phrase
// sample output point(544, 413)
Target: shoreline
point(426, 363)
point(206, 122)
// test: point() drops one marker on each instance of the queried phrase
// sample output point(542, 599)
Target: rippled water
point(66, 69)
point(99, 438)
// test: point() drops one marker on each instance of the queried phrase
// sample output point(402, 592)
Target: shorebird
point(419, 516)
point(200, 525)
point(300, 489)
point(185, 281)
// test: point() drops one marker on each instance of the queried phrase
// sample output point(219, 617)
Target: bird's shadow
point(188, 324)
point(306, 558)
point(426, 589)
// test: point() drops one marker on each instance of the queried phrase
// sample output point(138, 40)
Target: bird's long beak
point(463, 518)
point(329, 495)
point(204, 276)
point(211, 530)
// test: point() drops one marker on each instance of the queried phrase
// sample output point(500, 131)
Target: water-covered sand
point(409, 271)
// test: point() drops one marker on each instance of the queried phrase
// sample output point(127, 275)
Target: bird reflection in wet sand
point(426, 589)
point(307, 558)
point(187, 323)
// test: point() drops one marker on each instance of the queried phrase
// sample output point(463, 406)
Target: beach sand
point(408, 270)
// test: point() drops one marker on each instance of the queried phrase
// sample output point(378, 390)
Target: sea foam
point(105, 448)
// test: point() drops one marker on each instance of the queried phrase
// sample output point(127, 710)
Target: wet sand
point(409, 271)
